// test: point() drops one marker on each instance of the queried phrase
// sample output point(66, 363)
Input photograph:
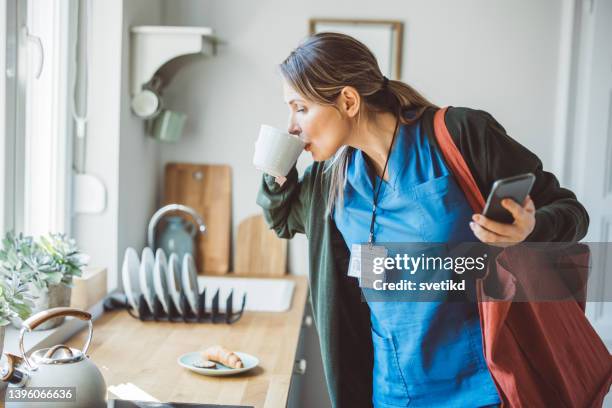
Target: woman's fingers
point(528, 204)
point(524, 216)
point(499, 228)
point(280, 180)
point(490, 231)
point(488, 237)
point(515, 208)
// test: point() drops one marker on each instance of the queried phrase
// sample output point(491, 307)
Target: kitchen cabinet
point(308, 389)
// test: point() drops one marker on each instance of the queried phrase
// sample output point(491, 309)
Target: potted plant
point(51, 264)
point(15, 301)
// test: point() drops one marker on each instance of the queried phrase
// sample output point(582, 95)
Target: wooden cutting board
point(259, 252)
point(207, 189)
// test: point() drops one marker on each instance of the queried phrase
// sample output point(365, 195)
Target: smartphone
point(516, 188)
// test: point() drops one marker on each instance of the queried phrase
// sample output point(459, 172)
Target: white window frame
point(7, 123)
point(3, 125)
point(44, 130)
point(11, 144)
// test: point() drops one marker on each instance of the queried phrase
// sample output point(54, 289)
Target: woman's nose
point(294, 129)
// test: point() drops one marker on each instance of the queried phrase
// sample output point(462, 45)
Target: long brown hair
point(325, 63)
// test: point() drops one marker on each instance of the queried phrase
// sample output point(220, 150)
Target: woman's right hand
point(280, 180)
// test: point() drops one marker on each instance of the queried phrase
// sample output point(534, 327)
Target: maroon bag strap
point(456, 162)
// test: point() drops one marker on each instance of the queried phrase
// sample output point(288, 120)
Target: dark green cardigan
point(342, 319)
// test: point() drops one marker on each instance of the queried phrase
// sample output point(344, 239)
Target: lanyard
point(377, 190)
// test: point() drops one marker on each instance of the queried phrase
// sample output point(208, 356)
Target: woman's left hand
point(503, 235)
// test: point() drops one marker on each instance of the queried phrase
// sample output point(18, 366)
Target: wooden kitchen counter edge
point(145, 353)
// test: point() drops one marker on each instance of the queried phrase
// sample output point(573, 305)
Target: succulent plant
point(61, 259)
point(14, 300)
point(15, 274)
point(53, 259)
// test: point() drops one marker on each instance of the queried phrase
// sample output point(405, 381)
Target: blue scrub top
point(426, 354)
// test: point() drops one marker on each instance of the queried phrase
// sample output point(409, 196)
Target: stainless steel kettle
point(61, 376)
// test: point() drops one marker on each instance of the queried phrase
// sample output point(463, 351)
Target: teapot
point(80, 383)
point(178, 237)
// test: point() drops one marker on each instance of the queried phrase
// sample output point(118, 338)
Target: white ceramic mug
point(276, 151)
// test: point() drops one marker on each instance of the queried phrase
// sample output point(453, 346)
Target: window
point(37, 59)
point(36, 146)
point(8, 57)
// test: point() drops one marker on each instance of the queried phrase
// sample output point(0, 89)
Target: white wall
point(96, 234)
point(498, 55)
point(139, 153)
point(118, 151)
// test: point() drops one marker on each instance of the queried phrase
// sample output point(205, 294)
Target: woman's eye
point(300, 110)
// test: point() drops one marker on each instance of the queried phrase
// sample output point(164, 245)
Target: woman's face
point(322, 127)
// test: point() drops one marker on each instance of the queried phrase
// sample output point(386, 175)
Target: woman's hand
point(503, 235)
point(280, 180)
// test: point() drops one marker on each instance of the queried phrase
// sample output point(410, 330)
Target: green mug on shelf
point(168, 126)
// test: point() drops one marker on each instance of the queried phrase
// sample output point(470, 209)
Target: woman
point(371, 139)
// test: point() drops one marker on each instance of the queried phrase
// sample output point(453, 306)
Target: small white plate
point(174, 281)
point(160, 278)
point(248, 361)
point(145, 274)
point(129, 277)
point(190, 282)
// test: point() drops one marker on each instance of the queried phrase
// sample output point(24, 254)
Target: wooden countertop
point(145, 354)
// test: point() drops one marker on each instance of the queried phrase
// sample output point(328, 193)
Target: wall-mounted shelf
point(154, 46)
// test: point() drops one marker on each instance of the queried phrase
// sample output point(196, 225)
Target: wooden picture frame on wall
point(383, 37)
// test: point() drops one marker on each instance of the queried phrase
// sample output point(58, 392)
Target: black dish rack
point(158, 314)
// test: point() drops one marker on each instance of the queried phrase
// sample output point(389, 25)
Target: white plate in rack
point(174, 281)
point(129, 277)
point(147, 263)
point(160, 278)
point(190, 282)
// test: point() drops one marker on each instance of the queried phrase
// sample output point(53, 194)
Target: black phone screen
point(516, 188)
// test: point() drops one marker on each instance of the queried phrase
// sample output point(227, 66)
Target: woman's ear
point(349, 101)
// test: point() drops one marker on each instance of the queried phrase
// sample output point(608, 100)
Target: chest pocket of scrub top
point(445, 212)
point(389, 388)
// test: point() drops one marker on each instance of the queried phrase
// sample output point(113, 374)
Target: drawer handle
point(300, 367)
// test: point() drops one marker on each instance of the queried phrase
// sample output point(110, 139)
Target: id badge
point(361, 264)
